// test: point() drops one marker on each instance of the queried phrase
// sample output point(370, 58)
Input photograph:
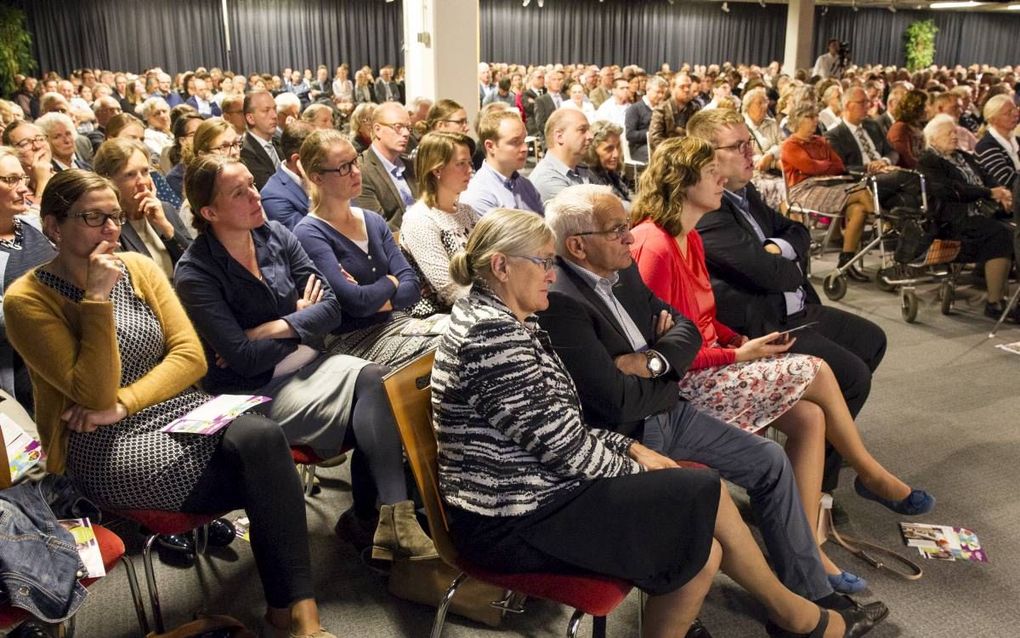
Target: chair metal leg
point(1005, 313)
point(136, 594)
point(598, 627)
point(444, 604)
point(309, 479)
point(642, 598)
point(150, 583)
point(69, 627)
point(575, 622)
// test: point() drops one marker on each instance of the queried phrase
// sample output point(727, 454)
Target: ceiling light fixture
point(541, 4)
point(1013, 7)
point(762, 3)
point(725, 7)
point(525, 3)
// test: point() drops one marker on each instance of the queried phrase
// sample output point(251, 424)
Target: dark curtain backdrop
point(876, 35)
point(267, 35)
point(177, 35)
point(631, 32)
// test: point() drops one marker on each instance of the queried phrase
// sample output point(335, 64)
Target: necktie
point(271, 152)
point(405, 190)
point(870, 154)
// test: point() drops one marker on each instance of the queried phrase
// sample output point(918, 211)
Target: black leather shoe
point(875, 610)
point(854, 270)
point(697, 630)
point(221, 532)
point(358, 531)
point(856, 621)
point(180, 543)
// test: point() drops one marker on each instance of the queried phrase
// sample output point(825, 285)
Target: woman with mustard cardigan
point(113, 359)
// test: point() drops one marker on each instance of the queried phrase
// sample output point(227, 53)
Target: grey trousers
point(761, 467)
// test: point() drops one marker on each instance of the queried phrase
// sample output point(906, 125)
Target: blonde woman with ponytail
point(355, 251)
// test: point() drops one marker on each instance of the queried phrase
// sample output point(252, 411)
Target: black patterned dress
point(131, 464)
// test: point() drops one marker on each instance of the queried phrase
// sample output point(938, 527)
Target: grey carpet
point(943, 414)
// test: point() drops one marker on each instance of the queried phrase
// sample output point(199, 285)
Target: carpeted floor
point(943, 414)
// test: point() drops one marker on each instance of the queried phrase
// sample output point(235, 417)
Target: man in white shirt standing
point(828, 64)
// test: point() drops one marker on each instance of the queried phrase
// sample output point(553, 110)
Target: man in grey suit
point(388, 184)
point(546, 104)
point(260, 151)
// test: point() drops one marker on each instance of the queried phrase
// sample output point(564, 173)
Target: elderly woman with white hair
point(155, 111)
point(766, 139)
point(61, 132)
point(957, 186)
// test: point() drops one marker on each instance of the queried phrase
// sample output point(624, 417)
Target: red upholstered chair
point(410, 395)
point(112, 549)
point(306, 460)
point(160, 523)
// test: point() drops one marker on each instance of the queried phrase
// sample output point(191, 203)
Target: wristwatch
point(656, 366)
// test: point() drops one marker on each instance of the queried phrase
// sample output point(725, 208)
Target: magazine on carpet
point(942, 542)
point(23, 451)
point(88, 545)
point(214, 415)
point(241, 526)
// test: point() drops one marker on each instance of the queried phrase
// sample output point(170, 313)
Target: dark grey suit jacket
point(843, 142)
point(175, 246)
point(379, 194)
point(254, 156)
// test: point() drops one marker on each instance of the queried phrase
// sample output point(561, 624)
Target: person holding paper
point(114, 359)
point(355, 251)
point(261, 309)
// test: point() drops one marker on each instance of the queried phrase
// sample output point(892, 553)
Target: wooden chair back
point(410, 394)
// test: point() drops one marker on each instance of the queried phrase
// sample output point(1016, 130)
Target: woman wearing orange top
point(810, 164)
point(748, 383)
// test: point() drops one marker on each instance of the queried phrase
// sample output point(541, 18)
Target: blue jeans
point(761, 467)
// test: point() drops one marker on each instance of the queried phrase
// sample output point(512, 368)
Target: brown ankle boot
point(399, 536)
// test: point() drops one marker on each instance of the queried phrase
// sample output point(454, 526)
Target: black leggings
point(377, 465)
point(252, 469)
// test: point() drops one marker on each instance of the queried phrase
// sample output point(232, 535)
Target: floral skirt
point(750, 394)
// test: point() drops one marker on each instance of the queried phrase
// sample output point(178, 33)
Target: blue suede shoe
point(917, 503)
point(847, 583)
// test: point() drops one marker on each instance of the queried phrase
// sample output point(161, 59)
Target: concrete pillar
point(800, 26)
point(441, 51)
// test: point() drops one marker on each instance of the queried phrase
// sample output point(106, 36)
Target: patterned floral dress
point(131, 464)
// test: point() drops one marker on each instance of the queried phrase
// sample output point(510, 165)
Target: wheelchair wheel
point(885, 274)
point(834, 286)
point(947, 292)
point(908, 306)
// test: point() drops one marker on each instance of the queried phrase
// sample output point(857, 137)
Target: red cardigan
point(684, 284)
point(804, 159)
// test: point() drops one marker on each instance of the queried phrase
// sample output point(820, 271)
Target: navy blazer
point(587, 338)
point(284, 200)
point(175, 245)
point(749, 282)
point(223, 300)
point(214, 108)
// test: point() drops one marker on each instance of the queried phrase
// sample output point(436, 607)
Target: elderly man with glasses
point(388, 181)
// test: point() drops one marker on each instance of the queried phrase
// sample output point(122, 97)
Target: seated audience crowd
point(617, 310)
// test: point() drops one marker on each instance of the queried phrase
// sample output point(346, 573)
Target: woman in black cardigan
point(956, 184)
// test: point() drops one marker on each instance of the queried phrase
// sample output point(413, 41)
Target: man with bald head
point(567, 138)
point(388, 184)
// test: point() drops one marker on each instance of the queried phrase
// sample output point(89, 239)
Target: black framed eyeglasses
point(743, 147)
point(226, 148)
point(344, 169)
point(613, 234)
point(97, 219)
point(398, 127)
point(546, 263)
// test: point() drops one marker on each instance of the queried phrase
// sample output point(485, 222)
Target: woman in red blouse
point(748, 383)
point(810, 164)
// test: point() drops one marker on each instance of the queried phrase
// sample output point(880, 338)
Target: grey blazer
point(378, 192)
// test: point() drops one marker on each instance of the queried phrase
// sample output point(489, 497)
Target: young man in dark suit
point(757, 260)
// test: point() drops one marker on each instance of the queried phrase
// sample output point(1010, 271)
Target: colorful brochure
point(88, 546)
point(23, 451)
point(215, 414)
point(941, 542)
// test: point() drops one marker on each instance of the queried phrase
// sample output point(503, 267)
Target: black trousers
point(853, 347)
point(253, 470)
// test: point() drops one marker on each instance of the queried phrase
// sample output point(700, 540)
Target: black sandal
point(856, 620)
